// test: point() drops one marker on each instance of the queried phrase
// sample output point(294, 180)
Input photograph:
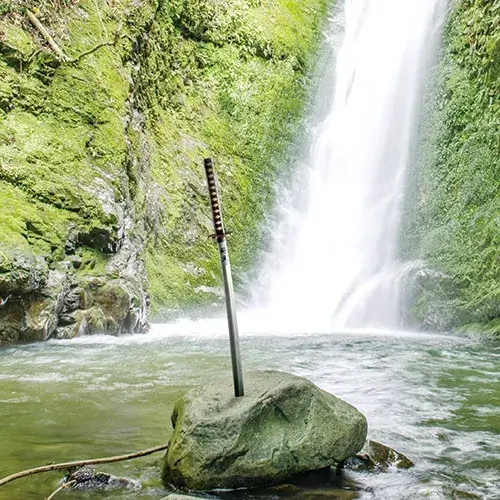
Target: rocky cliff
point(107, 109)
point(453, 214)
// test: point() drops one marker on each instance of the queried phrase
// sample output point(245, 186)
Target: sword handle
point(214, 199)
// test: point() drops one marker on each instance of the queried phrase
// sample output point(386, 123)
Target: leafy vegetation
point(455, 226)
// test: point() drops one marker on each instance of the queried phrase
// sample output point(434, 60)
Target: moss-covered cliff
point(102, 132)
point(454, 213)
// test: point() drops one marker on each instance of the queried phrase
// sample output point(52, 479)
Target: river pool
point(435, 398)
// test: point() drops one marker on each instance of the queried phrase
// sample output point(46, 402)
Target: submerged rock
point(283, 426)
point(464, 495)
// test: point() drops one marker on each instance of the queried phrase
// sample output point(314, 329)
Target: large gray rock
point(283, 426)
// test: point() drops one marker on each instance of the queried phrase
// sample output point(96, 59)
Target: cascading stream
point(334, 264)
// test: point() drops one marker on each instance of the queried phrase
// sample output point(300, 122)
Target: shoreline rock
point(60, 303)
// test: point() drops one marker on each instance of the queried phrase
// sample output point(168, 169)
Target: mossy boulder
point(34, 313)
point(107, 307)
point(15, 44)
point(384, 456)
point(37, 303)
point(283, 426)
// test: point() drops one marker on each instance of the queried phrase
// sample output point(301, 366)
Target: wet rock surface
point(283, 426)
point(323, 484)
point(89, 479)
point(378, 456)
point(38, 303)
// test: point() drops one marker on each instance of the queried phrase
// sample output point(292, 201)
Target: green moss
point(92, 262)
point(31, 225)
point(16, 43)
point(62, 141)
point(455, 222)
point(490, 329)
point(233, 87)
point(120, 129)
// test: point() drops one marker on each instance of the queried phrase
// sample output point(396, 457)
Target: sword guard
point(223, 235)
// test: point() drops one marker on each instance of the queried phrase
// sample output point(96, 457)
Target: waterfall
point(333, 261)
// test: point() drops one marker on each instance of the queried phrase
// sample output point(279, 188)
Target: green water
point(435, 398)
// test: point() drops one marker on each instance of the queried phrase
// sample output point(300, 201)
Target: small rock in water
point(380, 456)
point(88, 479)
point(359, 462)
point(464, 495)
point(333, 494)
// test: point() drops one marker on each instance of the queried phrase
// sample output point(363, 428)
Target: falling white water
point(333, 263)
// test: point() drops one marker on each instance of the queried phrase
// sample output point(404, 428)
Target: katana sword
point(220, 236)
